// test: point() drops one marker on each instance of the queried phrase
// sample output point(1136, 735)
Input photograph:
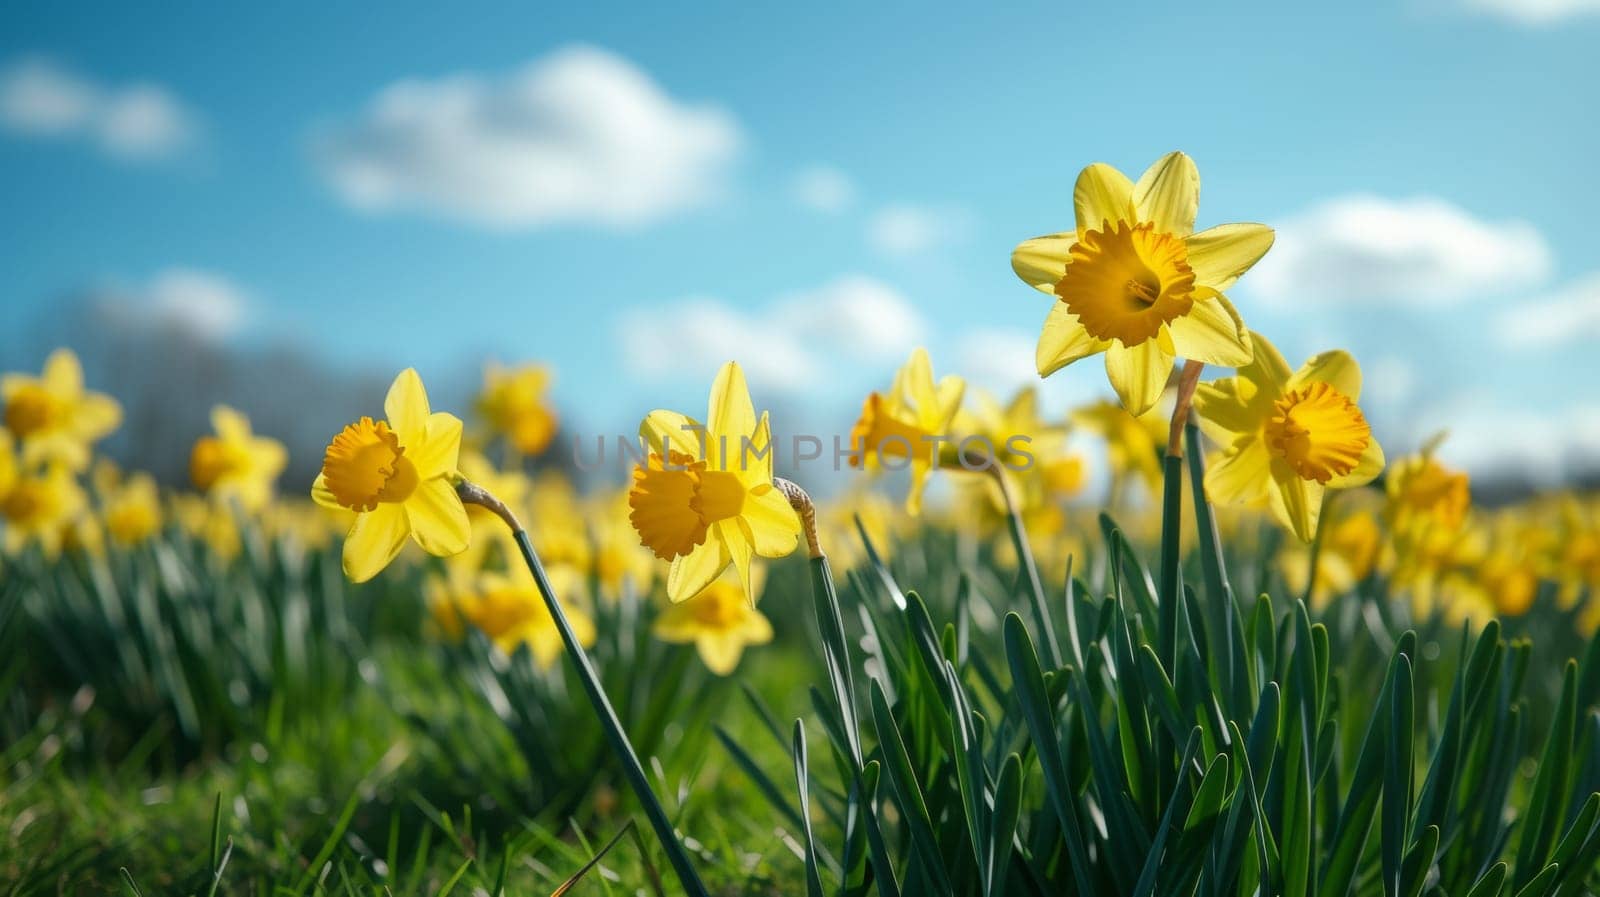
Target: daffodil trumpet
point(473, 494)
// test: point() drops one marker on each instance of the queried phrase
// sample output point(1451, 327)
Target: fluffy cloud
point(200, 304)
point(909, 230)
point(1419, 251)
point(853, 320)
point(1570, 315)
point(578, 136)
point(1535, 12)
point(39, 98)
point(1487, 438)
point(823, 189)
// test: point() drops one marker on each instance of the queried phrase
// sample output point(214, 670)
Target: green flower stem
point(1019, 541)
point(631, 767)
point(1316, 548)
point(1172, 517)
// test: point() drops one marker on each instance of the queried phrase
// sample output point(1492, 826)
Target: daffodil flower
point(236, 464)
point(1288, 437)
point(510, 611)
point(909, 422)
point(39, 507)
point(719, 622)
point(1136, 282)
point(131, 510)
point(397, 475)
point(53, 416)
point(704, 497)
point(513, 403)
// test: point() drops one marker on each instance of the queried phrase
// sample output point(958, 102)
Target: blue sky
point(1430, 167)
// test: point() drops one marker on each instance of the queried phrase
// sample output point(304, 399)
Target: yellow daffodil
point(704, 497)
point(514, 404)
point(1422, 492)
point(718, 622)
point(53, 417)
point(1136, 282)
point(909, 423)
point(1288, 437)
point(235, 464)
point(510, 611)
point(38, 508)
point(397, 475)
point(131, 510)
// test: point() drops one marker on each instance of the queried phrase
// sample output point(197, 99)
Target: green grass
point(171, 725)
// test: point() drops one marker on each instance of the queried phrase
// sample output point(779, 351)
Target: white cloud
point(1387, 381)
point(824, 189)
point(909, 230)
point(1487, 437)
point(862, 318)
point(1570, 315)
point(1535, 12)
point(788, 346)
point(201, 304)
point(578, 136)
point(39, 98)
point(1421, 251)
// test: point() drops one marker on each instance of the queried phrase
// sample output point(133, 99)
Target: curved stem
point(1024, 549)
point(471, 493)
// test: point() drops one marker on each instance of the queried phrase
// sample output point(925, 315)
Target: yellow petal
point(1102, 194)
point(1138, 374)
point(1336, 368)
point(1226, 409)
point(1063, 341)
point(920, 470)
point(947, 401)
point(374, 540)
point(96, 416)
point(406, 406)
point(756, 628)
point(230, 424)
point(63, 375)
point(918, 381)
point(754, 461)
point(1218, 255)
point(771, 524)
point(1297, 503)
point(1213, 333)
point(677, 623)
point(1266, 369)
point(730, 417)
point(692, 572)
point(438, 519)
point(1366, 469)
point(1168, 194)
point(678, 432)
point(739, 552)
point(1239, 475)
point(719, 652)
point(439, 451)
point(322, 495)
point(1042, 261)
